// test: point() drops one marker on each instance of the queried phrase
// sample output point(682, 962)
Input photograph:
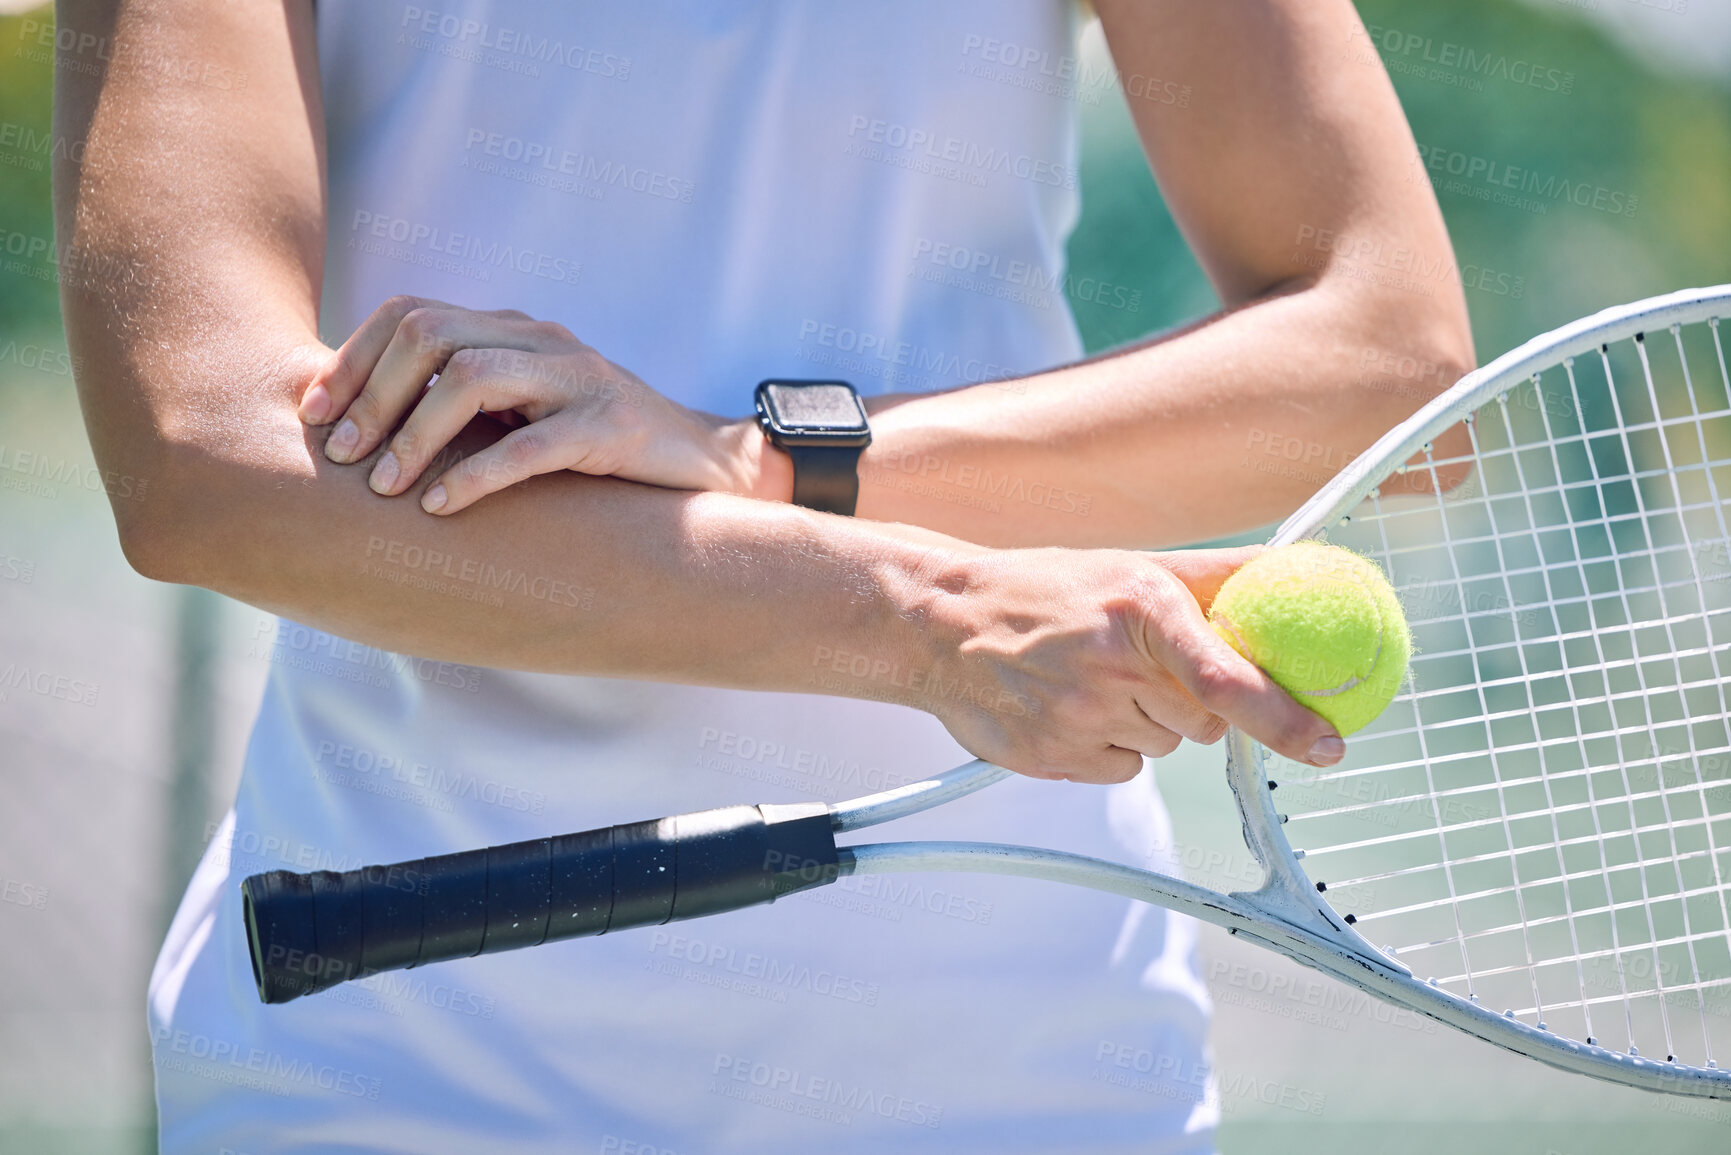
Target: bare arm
point(196, 365)
point(1289, 173)
point(210, 200)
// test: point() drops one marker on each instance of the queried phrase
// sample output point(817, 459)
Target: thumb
point(1225, 683)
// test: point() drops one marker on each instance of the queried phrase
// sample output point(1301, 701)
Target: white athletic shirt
point(709, 194)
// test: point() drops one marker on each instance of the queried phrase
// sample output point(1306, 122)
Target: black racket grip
point(308, 932)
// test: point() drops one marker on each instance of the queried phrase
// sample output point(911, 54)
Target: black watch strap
point(822, 427)
point(826, 477)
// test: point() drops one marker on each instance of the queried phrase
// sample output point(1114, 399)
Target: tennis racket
point(1533, 841)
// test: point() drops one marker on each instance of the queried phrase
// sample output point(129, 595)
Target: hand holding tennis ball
point(1324, 624)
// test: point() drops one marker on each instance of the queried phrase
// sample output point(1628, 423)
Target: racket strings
point(1543, 820)
point(1628, 613)
point(1608, 522)
point(1664, 444)
point(1715, 757)
point(1484, 707)
point(1724, 535)
point(1448, 873)
point(1664, 801)
point(1560, 843)
point(1525, 676)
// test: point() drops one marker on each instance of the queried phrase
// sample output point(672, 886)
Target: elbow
point(143, 545)
point(1447, 347)
point(154, 554)
point(1396, 376)
point(1407, 353)
point(158, 530)
point(189, 481)
point(198, 524)
point(206, 520)
point(195, 505)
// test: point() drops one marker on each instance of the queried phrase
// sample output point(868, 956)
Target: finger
point(341, 381)
point(1204, 571)
point(1046, 759)
point(1110, 766)
point(518, 455)
point(1147, 737)
point(1226, 684)
point(468, 385)
point(1171, 707)
point(424, 341)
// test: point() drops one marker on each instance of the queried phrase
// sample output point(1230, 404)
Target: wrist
point(773, 473)
point(935, 593)
point(757, 468)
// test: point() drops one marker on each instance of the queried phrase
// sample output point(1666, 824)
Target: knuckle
point(1150, 586)
point(463, 367)
point(1163, 744)
point(465, 359)
point(1287, 730)
point(343, 370)
point(365, 410)
point(1126, 768)
point(1211, 730)
point(400, 305)
point(523, 448)
point(423, 327)
point(1212, 678)
point(554, 331)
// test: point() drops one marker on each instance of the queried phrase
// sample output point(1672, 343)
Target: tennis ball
point(1324, 624)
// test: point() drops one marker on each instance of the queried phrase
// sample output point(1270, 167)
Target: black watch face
point(814, 413)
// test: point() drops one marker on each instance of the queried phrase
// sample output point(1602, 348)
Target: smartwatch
point(822, 426)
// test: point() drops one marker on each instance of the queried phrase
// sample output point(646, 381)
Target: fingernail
point(341, 447)
point(434, 499)
point(1327, 751)
point(384, 473)
point(316, 405)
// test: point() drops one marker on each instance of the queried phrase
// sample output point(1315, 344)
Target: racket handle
point(307, 932)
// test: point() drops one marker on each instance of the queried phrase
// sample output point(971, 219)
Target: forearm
point(591, 576)
point(1220, 428)
point(563, 573)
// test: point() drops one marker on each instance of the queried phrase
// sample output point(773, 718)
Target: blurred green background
point(107, 820)
point(1643, 130)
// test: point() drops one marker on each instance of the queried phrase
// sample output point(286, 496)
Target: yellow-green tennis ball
point(1324, 624)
